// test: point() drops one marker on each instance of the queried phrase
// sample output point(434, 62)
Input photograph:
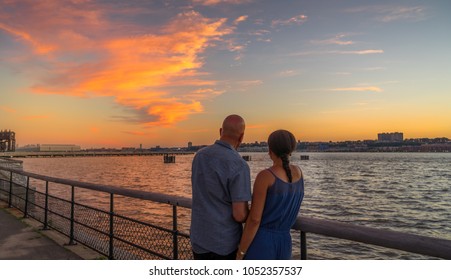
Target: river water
point(407, 192)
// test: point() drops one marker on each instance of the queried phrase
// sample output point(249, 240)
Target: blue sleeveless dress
point(273, 239)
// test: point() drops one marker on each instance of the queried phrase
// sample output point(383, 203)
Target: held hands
point(240, 254)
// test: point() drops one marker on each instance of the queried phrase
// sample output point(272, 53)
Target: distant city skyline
point(107, 73)
point(190, 144)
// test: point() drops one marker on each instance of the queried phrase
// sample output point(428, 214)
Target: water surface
point(408, 192)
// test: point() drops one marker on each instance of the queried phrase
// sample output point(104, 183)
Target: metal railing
point(104, 230)
point(121, 237)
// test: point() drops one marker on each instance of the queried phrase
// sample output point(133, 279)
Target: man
point(221, 191)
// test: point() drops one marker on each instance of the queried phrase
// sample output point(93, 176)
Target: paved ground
point(22, 239)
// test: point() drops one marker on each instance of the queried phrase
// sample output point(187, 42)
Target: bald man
point(221, 188)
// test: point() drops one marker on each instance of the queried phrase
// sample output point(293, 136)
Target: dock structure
point(89, 154)
point(305, 157)
point(247, 158)
point(7, 141)
point(169, 158)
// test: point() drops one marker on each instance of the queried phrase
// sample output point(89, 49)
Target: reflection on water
point(399, 191)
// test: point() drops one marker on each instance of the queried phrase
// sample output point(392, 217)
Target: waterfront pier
point(169, 158)
point(90, 154)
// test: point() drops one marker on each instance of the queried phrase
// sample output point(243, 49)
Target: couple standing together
point(222, 189)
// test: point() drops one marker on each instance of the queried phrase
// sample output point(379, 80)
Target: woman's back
point(282, 204)
point(273, 240)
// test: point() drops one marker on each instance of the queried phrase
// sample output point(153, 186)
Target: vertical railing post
point(111, 247)
point(25, 211)
point(175, 233)
point(46, 207)
point(10, 197)
point(303, 246)
point(72, 216)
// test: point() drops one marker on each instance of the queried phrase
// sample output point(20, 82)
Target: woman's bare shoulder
point(297, 172)
point(265, 176)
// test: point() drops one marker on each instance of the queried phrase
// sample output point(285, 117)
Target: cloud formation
point(216, 2)
point(403, 13)
point(7, 109)
point(367, 88)
point(296, 20)
point(336, 40)
point(82, 51)
point(357, 52)
point(390, 13)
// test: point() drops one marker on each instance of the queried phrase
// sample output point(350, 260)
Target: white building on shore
point(50, 148)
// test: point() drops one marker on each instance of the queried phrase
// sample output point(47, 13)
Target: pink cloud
point(361, 52)
point(216, 2)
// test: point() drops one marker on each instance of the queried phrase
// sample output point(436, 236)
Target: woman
point(276, 199)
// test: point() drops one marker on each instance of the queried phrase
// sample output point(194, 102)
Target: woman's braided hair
point(282, 143)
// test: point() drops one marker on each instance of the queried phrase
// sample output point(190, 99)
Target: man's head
point(232, 130)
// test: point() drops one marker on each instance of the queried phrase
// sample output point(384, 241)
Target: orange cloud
point(240, 19)
point(88, 54)
point(7, 109)
point(39, 47)
point(172, 112)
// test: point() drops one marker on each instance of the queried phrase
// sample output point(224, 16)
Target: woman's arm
point(263, 180)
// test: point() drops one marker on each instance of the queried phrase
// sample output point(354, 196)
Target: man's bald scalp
point(233, 126)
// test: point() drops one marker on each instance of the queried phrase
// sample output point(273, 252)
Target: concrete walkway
point(22, 239)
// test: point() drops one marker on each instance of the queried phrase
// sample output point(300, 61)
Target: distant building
point(58, 148)
point(190, 145)
point(49, 148)
point(128, 149)
point(390, 137)
point(28, 148)
point(7, 141)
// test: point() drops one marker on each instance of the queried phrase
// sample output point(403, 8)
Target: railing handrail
point(146, 195)
point(11, 160)
point(430, 246)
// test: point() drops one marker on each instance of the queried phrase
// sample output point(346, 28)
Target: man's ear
point(220, 131)
point(241, 137)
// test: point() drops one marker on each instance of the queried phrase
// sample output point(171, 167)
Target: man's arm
point(240, 210)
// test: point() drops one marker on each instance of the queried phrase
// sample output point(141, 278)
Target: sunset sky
point(125, 73)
